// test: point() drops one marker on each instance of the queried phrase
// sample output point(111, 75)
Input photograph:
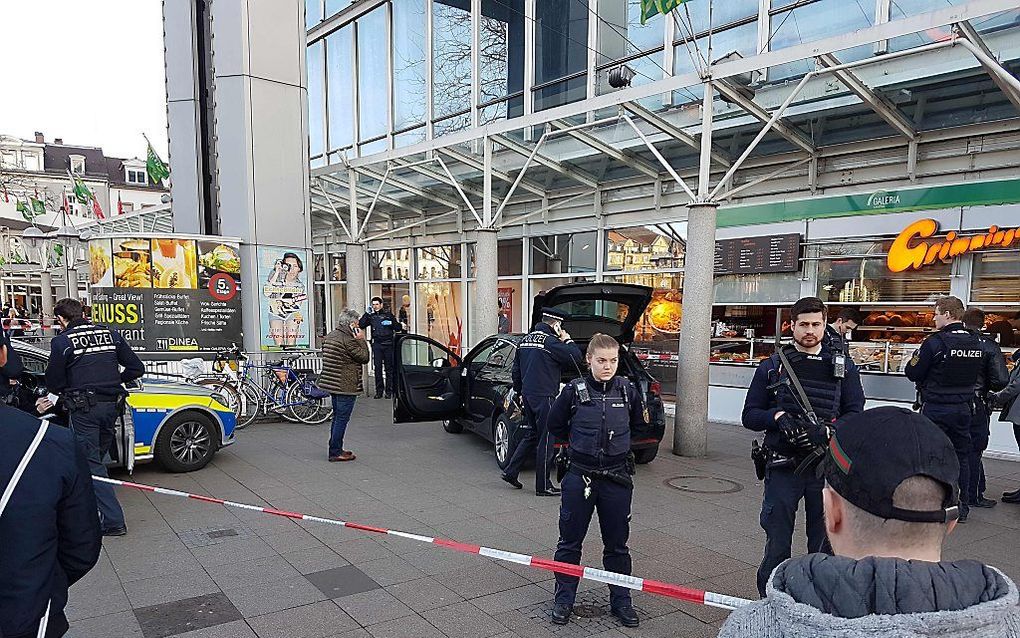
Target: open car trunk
point(609, 308)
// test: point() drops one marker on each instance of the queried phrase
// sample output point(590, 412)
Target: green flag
point(25, 209)
point(38, 206)
point(155, 167)
point(81, 191)
point(651, 8)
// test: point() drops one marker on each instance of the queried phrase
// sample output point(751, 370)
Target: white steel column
point(690, 432)
point(484, 316)
point(46, 282)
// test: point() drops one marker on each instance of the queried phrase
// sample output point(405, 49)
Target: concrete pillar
point(46, 281)
point(690, 435)
point(72, 283)
point(357, 292)
point(483, 312)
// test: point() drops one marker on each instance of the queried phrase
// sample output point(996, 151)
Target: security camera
point(621, 76)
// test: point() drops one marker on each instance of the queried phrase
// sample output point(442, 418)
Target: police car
point(476, 392)
point(179, 425)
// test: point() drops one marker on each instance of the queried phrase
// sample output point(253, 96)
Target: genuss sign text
point(916, 246)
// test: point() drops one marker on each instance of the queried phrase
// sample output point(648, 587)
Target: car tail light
point(655, 388)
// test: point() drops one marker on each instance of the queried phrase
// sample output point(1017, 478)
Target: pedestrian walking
point(344, 352)
point(890, 500)
point(594, 414)
point(85, 372)
point(48, 522)
point(542, 356)
point(946, 369)
point(384, 326)
point(795, 397)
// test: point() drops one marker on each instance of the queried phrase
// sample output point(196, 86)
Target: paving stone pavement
point(192, 569)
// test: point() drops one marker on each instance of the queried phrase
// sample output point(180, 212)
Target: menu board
point(167, 293)
point(750, 255)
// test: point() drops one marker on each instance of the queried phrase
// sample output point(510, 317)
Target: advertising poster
point(506, 311)
point(168, 293)
point(283, 304)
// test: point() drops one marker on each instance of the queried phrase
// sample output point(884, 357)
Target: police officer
point(542, 355)
point(11, 369)
point(84, 370)
point(846, 321)
point(832, 385)
point(992, 377)
point(595, 414)
point(384, 325)
point(946, 369)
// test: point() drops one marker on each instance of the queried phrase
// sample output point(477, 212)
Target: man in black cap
point(890, 500)
point(542, 355)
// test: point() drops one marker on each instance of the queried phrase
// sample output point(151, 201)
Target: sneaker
point(552, 491)
point(346, 455)
point(984, 502)
point(512, 480)
point(1011, 499)
point(115, 531)
point(1012, 493)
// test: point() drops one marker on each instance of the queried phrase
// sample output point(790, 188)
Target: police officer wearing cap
point(85, 372)
point(946, 369)
point(384, 325)
point(542, 356)
point(831, 384)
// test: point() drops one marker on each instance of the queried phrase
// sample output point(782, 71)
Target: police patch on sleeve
point(914, 360)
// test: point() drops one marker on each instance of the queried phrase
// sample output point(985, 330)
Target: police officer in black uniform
point(946, 369)
point(595, 414)
point(11, 369)
point(542, 355)
point(793, 431)
point(85, 372)
point(992, 377)
point(838, 331)
point(384, 325)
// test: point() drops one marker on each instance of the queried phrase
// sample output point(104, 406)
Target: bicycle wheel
point(249, 405)
point(223, 388)
point(305, 408)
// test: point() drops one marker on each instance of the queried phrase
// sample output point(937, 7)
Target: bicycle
point(286, 391)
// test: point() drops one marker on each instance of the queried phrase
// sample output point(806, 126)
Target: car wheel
point(186, 442)
point(501, 441)
point(645, 455)
point(453, 426)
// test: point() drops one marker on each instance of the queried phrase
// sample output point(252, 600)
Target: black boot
point(512, 480)
point(628, 617)
point(561, 614)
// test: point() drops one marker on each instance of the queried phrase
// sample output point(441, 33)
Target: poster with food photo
point(174, 263)
point(132, 259)
point(101, 263)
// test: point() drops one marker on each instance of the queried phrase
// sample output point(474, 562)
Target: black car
point(475, 392)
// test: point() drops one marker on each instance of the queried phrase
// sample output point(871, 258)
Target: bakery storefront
point(892, 275)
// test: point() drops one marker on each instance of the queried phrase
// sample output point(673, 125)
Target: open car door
point(429, 381)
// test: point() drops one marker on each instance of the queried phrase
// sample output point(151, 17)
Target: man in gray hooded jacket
point(890, 499)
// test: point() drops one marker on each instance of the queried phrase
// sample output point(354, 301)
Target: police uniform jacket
point(598, 430)
point(384, 325)
point(50, 529)
point(541, 357)
point(993, 375)
point(830, 397)
point(12, 370)
point(86, 356)
point(947, 365)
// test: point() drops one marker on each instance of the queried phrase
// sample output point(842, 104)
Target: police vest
point(957, 371)
point(816, 375)
point(92, 360)
point(540, 373)
point(384, 324)
point(600, 426)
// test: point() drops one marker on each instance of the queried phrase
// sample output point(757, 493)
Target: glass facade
point(501, 60)
point(451, 57)
point(316, 95)
point(340, 88)
point(561, 51)
point(567, 252)
point(409, 67)
point(373, 75)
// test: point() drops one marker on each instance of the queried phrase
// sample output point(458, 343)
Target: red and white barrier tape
point(678, 592)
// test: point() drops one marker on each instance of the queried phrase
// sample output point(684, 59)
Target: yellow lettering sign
point(912, 249)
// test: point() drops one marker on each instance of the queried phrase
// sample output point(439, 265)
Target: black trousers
point(612, 501)
point(979, 433)
point(783, 493)
point(537, 438)
point(382, 357)
point(95, 431)
point(954, 419)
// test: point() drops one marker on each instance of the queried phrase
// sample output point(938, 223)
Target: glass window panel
point(408, 138)
point(319, 267)
point(396, 298)
point(316, 79)
point(642, 248)
point(723, 13)
point(452, 124)
point(561, 39)
point(338, 301)
point(569, 252)
point(561, 93)
point(338, 267)
point(389, 264)
point(438, 315)
point(621, 33)
point(759, 288)
point(320, 309)
point(511, 297)
point(313, 13)
point(339, 88)
point(373, 101)
point(646, 69)
point(370, 148)
point(451, 56)
point(743, 39)
point(815, 21)
point(335, 6)
point(501, 58)
point(508, 257)
point(868, 280)
point(514, 107)
point(408, 63)
point(439, 262)
point(995, 276)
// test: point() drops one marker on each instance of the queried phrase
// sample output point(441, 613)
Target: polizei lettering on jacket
point(88, 341)
point(970, 354)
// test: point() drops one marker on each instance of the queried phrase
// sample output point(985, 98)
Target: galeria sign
point(913, 249)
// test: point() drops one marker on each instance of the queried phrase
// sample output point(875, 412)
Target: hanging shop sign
point(167, 293)
point(916, 246)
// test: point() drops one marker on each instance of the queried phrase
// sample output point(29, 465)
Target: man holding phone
point(542, 355)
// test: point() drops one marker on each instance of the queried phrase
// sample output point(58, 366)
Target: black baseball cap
point(872, 452)
point(555, 313)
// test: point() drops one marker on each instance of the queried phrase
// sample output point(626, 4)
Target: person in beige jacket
point(344, 351)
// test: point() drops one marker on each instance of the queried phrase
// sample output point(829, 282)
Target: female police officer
point(595, 414)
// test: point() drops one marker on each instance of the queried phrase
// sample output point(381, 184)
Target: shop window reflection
point(567, 252)
point(439, 313)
